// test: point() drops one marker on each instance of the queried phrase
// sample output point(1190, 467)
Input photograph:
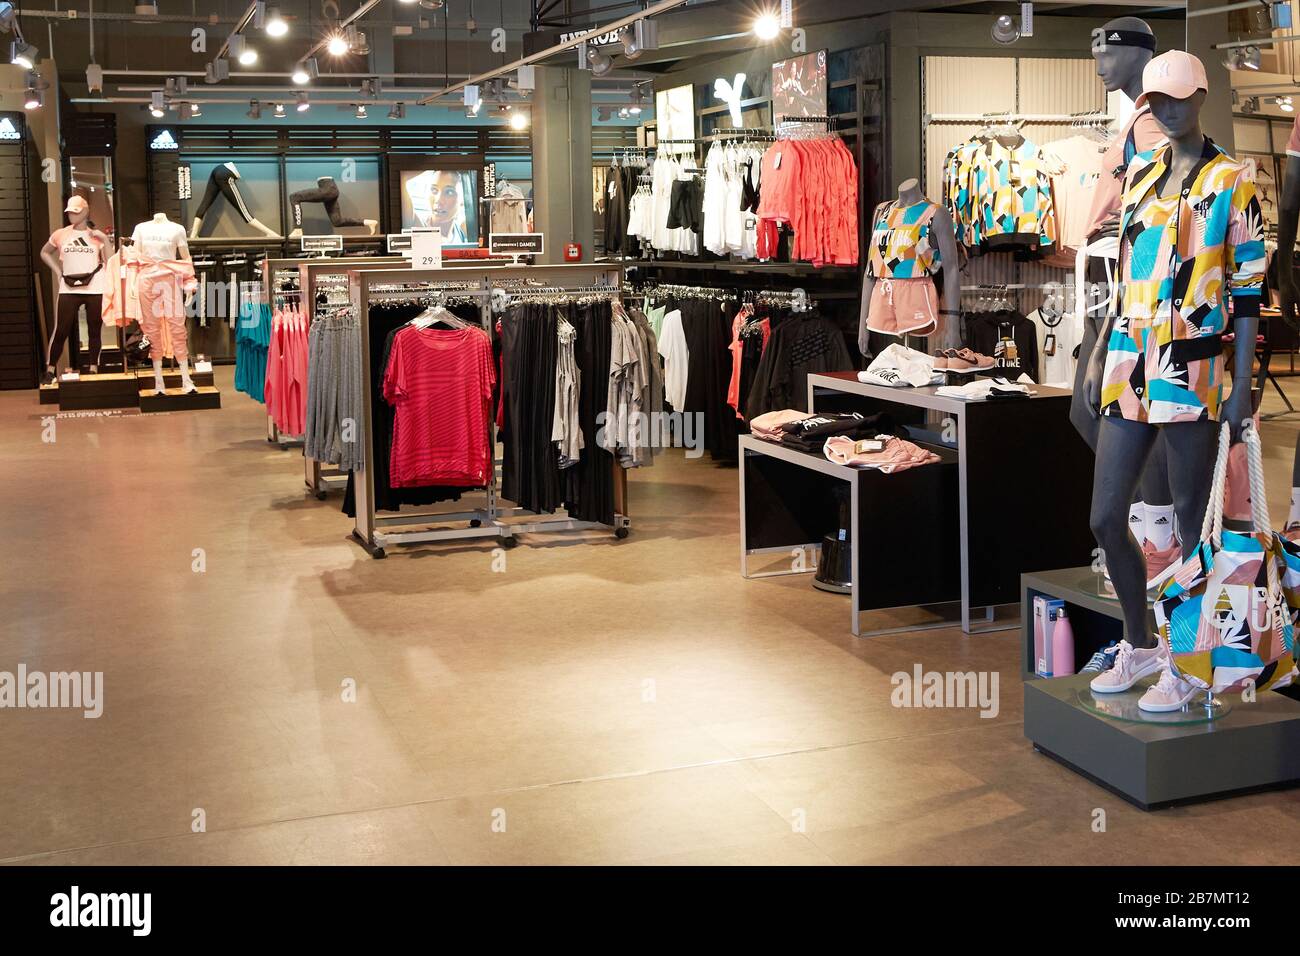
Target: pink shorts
point(904, 307)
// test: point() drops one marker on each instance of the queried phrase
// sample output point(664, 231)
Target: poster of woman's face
point(447, 199)
point(799, 87)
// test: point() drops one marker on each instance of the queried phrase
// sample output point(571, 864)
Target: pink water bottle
point(1062, 645)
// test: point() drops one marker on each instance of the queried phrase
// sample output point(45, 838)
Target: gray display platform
point(1254, 746)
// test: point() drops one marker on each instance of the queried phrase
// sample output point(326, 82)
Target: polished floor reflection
point(601, 702)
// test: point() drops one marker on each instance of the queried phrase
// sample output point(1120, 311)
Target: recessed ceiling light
point(276, 25)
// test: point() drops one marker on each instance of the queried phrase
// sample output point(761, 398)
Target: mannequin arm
point(50, 258)
point(950, 325)
point(868, 283)
point(1237, 408)
point(1287, 215)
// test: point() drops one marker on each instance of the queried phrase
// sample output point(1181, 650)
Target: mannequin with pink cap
point(1191, 268)
point(76, 255)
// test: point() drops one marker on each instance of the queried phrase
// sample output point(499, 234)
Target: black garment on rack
point(708, 337)
point(985, 329)
point(686, 205)
point(616, 210)
point(801, 345)
point(589, 485)
point(530, 468)
point(382, 325)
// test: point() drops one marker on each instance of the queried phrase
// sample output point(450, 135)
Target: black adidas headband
point(1126, 38)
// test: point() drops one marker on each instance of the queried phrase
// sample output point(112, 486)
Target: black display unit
point(18, 338)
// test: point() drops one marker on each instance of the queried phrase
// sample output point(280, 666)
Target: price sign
point(322, 243)
point(399, 243)
point(516, 243)
point(426, 249)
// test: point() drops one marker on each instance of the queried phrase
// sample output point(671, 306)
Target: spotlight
point(185, 110)
point(519, 120)
point(600, 63)
point(1250, 58)
point(623, 113)
point(1004, 30)
point(1251, 105)
point(631, 49)
point(157, 104)
point(303, 105)
point(361, 111)
point(602, 113)
point(254, 109)
point(156, 112)
point(337, 45)
point(1284, 104)
point(24, 54)
point(397, 111)
point(279, 111)
point(248, 57)
point(33, 98)
point(471, 26)
point(300, 76)
point(195, 111)
point(767, 26)
point(407, 2)
point(276, 25)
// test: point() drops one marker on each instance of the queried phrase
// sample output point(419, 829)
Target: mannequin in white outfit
point(160, 238)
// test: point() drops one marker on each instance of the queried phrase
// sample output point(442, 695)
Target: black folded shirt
point(809, 434)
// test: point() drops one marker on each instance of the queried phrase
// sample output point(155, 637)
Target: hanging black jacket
point(799, 346)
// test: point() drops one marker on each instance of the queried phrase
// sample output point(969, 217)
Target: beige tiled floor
point(625, 702)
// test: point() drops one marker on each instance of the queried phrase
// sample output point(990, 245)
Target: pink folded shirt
point(768, 425)
point(897, 455)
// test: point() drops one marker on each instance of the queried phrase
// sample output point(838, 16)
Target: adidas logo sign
point(164, 140)
point(1113, 36)
point(8, 130)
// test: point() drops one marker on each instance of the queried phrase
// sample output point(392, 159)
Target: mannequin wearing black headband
point(1122, 49)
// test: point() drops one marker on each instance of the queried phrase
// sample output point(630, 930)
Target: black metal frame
point(545, 16)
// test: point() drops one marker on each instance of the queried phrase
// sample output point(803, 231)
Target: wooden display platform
point(116, 389)
point(174, 400)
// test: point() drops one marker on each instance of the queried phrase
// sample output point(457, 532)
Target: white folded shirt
point(898, 366)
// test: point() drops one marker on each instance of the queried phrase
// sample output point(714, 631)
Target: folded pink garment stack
point(768, 425)
point(897, 455)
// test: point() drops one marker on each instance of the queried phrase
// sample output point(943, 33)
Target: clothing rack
point(376, 533)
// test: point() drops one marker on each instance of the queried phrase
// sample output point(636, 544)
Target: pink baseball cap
point(76, 204)
point(1175, 73)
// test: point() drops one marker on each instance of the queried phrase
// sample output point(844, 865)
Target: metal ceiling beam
point(663, 6)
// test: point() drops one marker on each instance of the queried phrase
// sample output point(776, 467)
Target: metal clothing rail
point(1012, 117)
point(376, 532)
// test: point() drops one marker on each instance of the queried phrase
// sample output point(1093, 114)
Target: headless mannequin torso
point(944, 238)
point(162, 239)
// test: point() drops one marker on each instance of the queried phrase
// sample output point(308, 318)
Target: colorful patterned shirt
point(900, 241)
point(1182, 259)
point(1000, 195)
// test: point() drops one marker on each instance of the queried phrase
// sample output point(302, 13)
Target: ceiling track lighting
point(589, 58)
point(276, 25)
point(1285, 104)
point(397, 111)
point(254, 110)
point(33, 99)
point(195, 111)
point(306, 71)
point(361, 111)
point(767, 26)
point(337, 45)
point(279, 111)
point(24, 54)
point(303, 104)
point(518, 120)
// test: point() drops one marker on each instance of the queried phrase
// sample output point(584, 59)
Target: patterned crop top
point(900, 241)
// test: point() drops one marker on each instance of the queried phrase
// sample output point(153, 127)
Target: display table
point(1024, 479)
point(900, 556)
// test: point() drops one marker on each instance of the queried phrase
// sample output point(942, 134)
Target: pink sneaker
point(1168, 694)
point(1131, 665)
point(1161, 563)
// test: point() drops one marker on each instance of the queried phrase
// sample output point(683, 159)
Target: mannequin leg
point(94, 328)
point(159, 385)
point(1122, 450)
point(264, 229)
point(1293, 518)
point(1157, 498)
point(1192, 447)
